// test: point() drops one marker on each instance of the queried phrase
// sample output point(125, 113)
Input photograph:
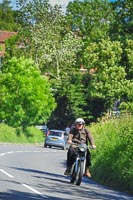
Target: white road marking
point(7, 174)
point(46, 151)
point(2, 154)
point(28, 151)
point(10, 152)
point(35, 191)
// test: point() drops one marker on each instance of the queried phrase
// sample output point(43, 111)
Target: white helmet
point(79, 121)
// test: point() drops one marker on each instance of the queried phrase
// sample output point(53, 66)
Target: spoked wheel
point(79, 173)
point(73, 175)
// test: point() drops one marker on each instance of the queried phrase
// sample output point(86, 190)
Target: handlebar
point(75, 144)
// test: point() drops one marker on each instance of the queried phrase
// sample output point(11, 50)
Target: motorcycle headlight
point(83, 147)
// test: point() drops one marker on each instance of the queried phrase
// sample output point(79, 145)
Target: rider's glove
point(69, 141)
point(93, 146)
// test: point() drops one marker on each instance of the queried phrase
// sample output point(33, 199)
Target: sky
point(63, 3)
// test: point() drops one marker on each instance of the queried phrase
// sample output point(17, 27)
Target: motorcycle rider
point(79, 134)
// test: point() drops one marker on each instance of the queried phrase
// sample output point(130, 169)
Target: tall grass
point(17, 135)
point(113, 158)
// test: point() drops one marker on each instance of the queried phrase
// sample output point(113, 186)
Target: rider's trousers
point(71, 156)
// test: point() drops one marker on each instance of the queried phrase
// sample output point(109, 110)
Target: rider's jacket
point(83, 135)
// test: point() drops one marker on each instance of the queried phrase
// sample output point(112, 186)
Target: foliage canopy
point(26, 97)
point(86, 54)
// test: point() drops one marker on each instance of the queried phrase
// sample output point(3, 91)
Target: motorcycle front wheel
point(73, 175)
point(79, 173)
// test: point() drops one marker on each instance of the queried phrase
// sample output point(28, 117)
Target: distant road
point(30, 172)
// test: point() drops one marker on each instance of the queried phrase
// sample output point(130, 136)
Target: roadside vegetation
point(112, 161)
point(82, 58)
point(18, 135)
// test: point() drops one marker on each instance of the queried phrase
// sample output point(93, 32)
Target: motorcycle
point(78, 167)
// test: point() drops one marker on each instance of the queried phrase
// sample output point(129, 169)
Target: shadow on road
point(58, 185)
point(18, 195)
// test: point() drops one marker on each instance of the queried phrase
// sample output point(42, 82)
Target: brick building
point(4, 35)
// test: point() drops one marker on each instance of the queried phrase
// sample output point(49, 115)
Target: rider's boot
point(87, 173)
point(67, 171)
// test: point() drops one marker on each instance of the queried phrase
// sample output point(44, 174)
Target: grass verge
point(113, 158)
point(17, 135)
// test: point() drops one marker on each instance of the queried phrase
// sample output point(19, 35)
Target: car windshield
point(53, 133)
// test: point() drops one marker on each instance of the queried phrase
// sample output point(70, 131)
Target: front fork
point(78, 160)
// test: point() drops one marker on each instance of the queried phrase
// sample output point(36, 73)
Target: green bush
point(33, 135)
point(112, 160)
point(18, 135)
point(9, 134)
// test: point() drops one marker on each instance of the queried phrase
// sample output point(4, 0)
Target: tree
point(45, 40)
point(26, 97)
point(122, 25)
point(90, 20)
point(121, 29)
point(108, 82)
point(60, 44)
point(128, 58)
point(71, 100)
point(109, 62)
point(48, 44)
point(7, 17)
point(41, 29)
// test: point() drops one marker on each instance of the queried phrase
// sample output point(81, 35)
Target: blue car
point(56, 138)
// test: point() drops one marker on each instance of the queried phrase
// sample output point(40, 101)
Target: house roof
point(4, 35)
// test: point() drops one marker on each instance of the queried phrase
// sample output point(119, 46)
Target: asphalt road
point(34, 173)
